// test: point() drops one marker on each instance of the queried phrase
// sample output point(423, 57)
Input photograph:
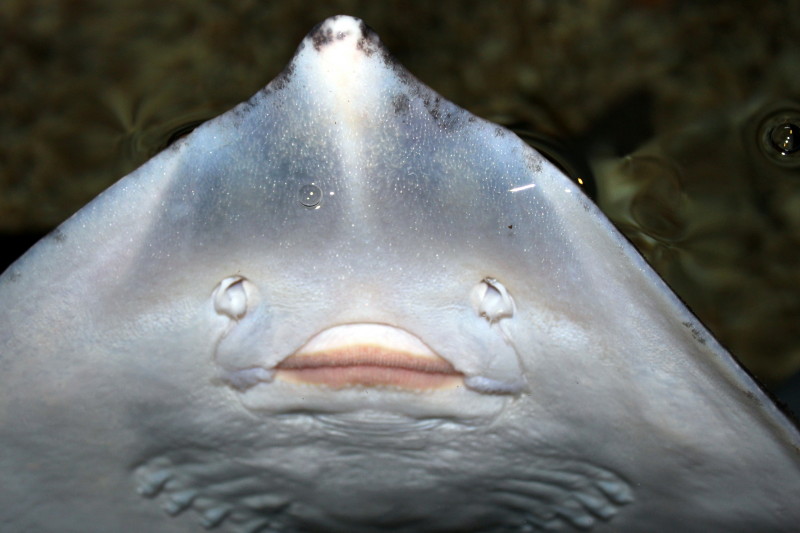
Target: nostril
point(230, 297)
point(491, 300)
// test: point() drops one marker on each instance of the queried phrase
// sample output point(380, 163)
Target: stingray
point(348, 305)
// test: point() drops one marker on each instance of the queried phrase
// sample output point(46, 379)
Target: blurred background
point(682, 118)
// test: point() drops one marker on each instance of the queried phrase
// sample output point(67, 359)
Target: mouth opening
point(368, 355)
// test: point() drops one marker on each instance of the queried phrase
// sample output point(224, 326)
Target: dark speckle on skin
point(434, 109)
point(401, 103)
point(368, 42)
point(752, 397)
point(696, 333)
point(446, 115)
point(283, 79)
point(366, 31)
point(440, 112)
point(277, 84)
point(58, 235)
point(322, 34)
point(449, 121)
point(499, 132)
point(533, 162)
point(320, 37)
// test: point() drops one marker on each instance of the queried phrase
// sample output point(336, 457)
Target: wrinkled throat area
point(445, 479)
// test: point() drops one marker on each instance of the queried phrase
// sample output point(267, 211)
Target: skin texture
point(141, 342)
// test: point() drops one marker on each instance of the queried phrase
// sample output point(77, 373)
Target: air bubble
point(310, 196)
point(785, 138)
point(779, 136)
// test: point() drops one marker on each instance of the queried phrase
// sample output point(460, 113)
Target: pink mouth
point(368, 355)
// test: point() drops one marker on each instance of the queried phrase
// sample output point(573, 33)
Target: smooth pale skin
point(136, 340)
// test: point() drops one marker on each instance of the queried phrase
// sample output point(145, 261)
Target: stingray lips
point(368, 355)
